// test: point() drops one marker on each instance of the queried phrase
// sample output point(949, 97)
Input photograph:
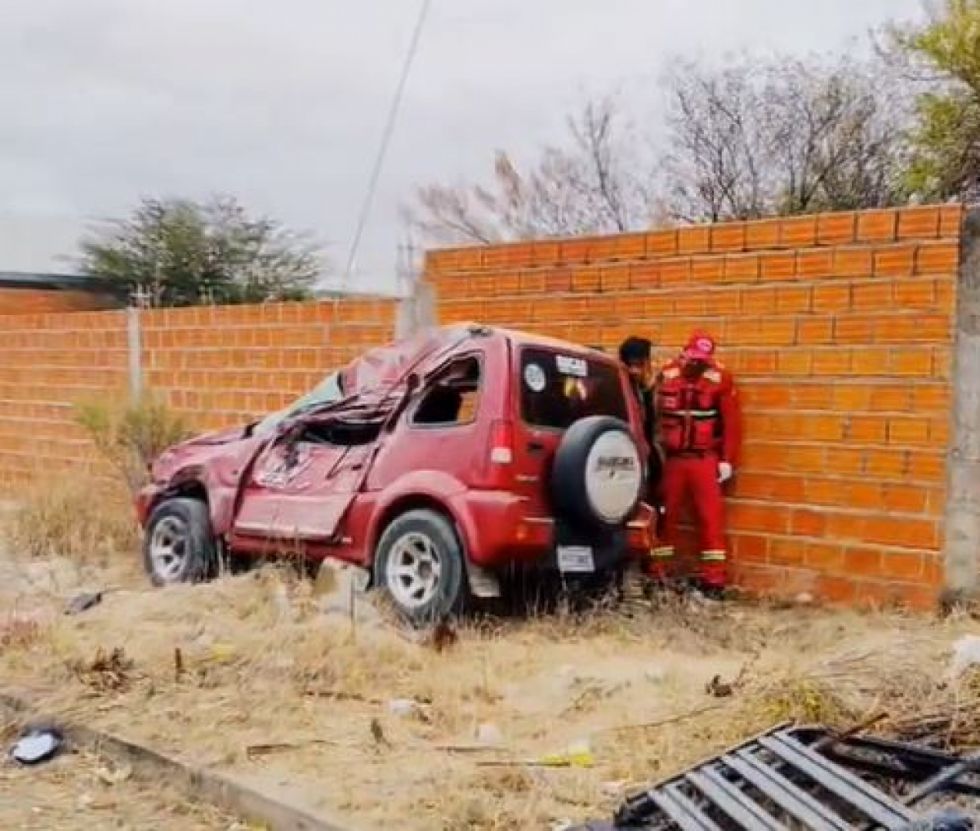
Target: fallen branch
point(652, 725)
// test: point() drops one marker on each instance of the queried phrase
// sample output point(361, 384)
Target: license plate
point(575, 559)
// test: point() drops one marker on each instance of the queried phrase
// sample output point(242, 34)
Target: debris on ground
point(83, 602)
point(808, 778)
point(37, 744)
point(966, 655)
point(105, 672)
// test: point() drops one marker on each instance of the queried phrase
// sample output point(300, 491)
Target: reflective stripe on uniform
point(715, 556)
point(662, 551)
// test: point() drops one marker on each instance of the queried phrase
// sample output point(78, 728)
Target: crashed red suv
point(441, 464)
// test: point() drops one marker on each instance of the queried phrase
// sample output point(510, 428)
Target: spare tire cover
point(598, 472)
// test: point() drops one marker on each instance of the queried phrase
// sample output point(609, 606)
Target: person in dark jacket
point(636, 354)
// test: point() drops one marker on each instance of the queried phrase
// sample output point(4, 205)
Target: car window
point(452, 397)
point(558, 389)
point(327, 391)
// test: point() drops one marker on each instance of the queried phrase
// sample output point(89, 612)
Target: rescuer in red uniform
point(699, 427)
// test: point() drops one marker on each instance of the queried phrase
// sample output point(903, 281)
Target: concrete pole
point(134, 346)
point(962, 549)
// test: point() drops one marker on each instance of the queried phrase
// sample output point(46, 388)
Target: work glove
point(725, 471)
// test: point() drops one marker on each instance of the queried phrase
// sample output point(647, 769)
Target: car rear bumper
point(499, 533)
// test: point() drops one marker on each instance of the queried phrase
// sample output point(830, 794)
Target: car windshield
point(558, 389)
point(326, 392)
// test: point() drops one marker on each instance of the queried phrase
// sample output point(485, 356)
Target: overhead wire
point(386, 135)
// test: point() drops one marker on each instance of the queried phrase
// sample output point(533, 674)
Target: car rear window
point(557, 389)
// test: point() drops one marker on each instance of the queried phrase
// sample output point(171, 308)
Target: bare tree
point(789, 136)
point(598, 183)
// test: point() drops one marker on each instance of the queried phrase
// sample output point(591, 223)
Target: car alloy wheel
point(169, 545)
point(413, 570)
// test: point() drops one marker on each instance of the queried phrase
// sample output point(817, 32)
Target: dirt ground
point(373, 729)
point(81, 791)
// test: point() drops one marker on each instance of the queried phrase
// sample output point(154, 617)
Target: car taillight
point(500, 454)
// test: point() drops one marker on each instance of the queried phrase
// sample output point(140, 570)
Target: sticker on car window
point(535, 378)
point(576, 367)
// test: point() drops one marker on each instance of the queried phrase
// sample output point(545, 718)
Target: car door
point(299, 489)
point(440, 430)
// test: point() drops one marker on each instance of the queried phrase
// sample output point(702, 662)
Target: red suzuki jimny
point(440, 464)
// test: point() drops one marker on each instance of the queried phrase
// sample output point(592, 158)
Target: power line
point(385, 140)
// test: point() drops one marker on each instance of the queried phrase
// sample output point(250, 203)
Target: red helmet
point(700, 346)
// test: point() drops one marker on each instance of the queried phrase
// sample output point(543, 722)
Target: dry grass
point(260, 664)
point(71, 517)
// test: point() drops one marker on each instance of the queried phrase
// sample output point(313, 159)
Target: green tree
point(181, 253)
point(944, 53)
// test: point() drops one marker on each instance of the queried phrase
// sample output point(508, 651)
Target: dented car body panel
point(412, 424)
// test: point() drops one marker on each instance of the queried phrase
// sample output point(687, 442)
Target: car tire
point(178, 546)
point(578, 493)
point(419, 566)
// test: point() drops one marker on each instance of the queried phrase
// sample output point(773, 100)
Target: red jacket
point(698, 415)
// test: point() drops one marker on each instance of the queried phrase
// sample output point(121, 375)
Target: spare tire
point(597, 476)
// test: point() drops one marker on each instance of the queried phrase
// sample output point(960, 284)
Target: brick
point(585, 279)
point(645, 275)
point(918, 222)
point(939, 431)
point(558, 281)
point(915, 294)
point(894, 261)
point(926, 397)
point(861, 561)
point(908, 431)
point(877, 226)
point(779, 266)
point(889, 398)
point(836, 589)
point(707, 269)
point(675, 271)
point(787, 552)
point(750, 548)
point(886, 463)
point(691, 304)
point(816, 396)
point(694, 239)
point(836, 228)
point(762, 234)
point(758, 301)
point(512, 255)
point(876, 296)
point(831, 298)
point(741, 268)
point(945, 290)
point(815, 264)
point(912, 361)
point(937, 258)
point(794, 363)
point(808, 523)
point(850, 398)
point(614, 278)
point(546, 253)
point(854, 329)
point(853, 262)
point(576, 250)
point(661, 243)
point(532, 282)
point(798, 232)
point(904, 498)
point(621, 247)
point(749, 516)
point(823, 556)
point(844, 460)
point(814, 330)
point(867, 429)
point(728, 236)
point(942, 363)
point(831, 362)
point(950, 220)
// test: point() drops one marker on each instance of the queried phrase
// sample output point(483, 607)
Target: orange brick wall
point(23, 301)
point(216, 365)
point(839, 328)
point(222, 365)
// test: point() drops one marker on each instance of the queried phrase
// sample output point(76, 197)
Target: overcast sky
point(282, 103)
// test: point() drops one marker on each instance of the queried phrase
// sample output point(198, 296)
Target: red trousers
point(694, 480)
